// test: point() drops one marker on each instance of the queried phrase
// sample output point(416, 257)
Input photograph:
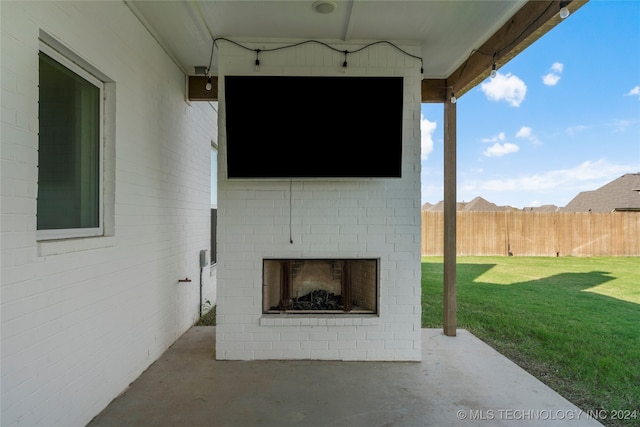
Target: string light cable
point(327, 45)
point(564, 12)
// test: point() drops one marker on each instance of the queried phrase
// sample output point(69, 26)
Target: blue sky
point(560, 118)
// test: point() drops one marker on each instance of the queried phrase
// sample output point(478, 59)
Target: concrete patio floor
point(460, 382)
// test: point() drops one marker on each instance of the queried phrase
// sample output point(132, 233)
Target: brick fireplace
point(351, 244)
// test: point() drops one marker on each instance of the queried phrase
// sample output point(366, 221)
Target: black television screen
point(313, 127)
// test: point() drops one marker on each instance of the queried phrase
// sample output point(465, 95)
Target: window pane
point(69, 149)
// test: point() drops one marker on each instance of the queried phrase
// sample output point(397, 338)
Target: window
point(70, 150)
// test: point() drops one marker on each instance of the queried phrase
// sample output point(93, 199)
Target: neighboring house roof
point(481, 205)
point(542, 208)
point(437, 207)
point(476, 205)
point(620, 194)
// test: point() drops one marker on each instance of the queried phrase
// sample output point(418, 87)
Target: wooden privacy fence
point(523, 233)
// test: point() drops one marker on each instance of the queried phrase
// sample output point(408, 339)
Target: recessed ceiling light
point(324, 6)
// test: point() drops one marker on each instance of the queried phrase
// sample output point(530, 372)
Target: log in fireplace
point(320, 286)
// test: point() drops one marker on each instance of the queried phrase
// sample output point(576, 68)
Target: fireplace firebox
point(320, 286)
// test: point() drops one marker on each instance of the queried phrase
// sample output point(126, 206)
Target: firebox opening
point(320, 286)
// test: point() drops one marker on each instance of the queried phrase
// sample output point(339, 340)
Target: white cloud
point(621, 125)
point(426, 137)
point(634, 92)
point(498, 150)
point(502, 147)
point(557, 67)
point(573, 130)
point(588, 175)
point(527, 132)
point(505, 87)
point(499, 137)
point(524, 132)
point(614, 126)
point(552, 78)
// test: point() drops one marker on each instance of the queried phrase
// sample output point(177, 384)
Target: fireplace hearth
point(320, 286)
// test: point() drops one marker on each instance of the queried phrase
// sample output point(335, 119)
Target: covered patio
point(458, 45)
point(87, 310)
point(460, 381)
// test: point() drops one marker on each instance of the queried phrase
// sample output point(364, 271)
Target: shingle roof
point(542, 208)
point(622, 193)
point(476, 205)
point(481, 205)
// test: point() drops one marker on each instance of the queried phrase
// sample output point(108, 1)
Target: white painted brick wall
point(83, 318)
point(377, 218)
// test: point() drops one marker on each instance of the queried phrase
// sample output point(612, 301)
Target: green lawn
point(574, 323)
point(208, 318)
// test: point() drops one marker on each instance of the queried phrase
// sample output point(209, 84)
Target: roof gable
point(622, 193)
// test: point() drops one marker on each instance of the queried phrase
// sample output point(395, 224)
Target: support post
point(449, 299)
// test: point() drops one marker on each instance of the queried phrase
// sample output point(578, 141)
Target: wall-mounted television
point(287, 127)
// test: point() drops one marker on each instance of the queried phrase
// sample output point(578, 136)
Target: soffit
point(446, 31)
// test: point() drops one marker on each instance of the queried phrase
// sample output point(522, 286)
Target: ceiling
point(448, 32)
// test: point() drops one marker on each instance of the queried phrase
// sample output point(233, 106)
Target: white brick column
point(359, 218)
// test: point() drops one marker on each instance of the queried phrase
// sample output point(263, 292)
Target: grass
point(208, 318)
point(574, 323)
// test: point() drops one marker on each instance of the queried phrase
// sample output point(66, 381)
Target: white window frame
point(70, 233)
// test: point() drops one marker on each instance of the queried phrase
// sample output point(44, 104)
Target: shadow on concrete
point(553, 327)
point(461, 381)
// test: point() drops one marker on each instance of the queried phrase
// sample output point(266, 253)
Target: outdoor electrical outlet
point(204, 258)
